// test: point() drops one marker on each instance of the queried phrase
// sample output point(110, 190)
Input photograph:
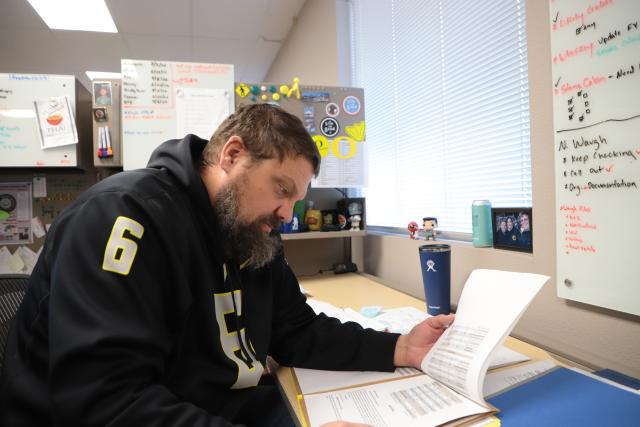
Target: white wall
point(310, 50)
point(590, 335)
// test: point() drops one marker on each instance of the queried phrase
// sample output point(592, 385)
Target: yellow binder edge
point(303, 418)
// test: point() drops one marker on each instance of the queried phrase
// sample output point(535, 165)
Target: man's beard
point(245, 240)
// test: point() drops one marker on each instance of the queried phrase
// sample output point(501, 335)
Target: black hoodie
point(129, 318)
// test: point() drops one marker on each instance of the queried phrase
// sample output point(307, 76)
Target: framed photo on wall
point(102, 93)
point(512, 229)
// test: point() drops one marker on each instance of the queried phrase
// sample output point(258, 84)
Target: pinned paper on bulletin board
point(200, 110)
point(56, 124)
point(15, 213)
point(334, 116)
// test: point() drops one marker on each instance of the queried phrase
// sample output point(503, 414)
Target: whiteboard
point(164, 100)
point(19, 140)
point(595, 55)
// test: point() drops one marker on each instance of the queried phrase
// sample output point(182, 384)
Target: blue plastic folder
point(563, 397)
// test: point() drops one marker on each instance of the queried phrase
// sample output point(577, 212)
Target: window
point(447, 107)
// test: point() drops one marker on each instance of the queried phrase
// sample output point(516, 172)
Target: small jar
point(313, 217)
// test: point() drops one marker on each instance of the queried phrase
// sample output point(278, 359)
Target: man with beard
point(160, 292)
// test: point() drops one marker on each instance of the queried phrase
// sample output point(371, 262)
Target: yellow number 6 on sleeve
point(121, 251)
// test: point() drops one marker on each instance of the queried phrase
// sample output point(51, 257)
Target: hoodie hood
point(181, 158)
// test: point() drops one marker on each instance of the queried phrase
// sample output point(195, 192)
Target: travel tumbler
point(435, 261)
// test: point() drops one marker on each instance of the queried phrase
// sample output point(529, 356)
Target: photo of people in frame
point(512, 229)
point(102, 93)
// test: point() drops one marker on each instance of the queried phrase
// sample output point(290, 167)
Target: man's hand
point(412, 348)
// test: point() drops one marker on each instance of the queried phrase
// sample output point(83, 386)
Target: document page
point(504, 356)
point(401, 320)
point(413, 402)
point(343, 315)
point(317, 380)
point(498, 381)
point(491, 303)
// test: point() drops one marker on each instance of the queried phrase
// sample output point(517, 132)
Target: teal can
point(482, 228)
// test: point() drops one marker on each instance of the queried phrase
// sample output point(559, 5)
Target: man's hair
point(268, 132)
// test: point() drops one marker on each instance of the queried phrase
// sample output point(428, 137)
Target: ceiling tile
point(96, 47)
point(228, 19)
point(91, 52)
point(220, 51)
point(281, 16)
point(20, 14)
point(22, 50)
point(164, 48)
point(238, 32)
point(163, 17)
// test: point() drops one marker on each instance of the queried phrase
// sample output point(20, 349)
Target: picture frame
point(512, 228)
point(102, 93)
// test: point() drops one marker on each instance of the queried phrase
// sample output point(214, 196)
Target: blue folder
point(618, 377)
point(563, 397)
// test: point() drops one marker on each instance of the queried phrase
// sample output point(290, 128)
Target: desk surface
point(357, 291)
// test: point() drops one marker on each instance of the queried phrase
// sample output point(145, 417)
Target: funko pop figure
point(355, 222)
point(413, 229)
point(429, 225)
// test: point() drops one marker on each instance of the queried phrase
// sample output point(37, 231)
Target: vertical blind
point(447, 107)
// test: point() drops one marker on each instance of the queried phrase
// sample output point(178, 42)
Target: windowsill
point(323, 234)
point(441, 236)
point(462, 240)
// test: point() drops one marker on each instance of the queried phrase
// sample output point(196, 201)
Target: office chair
point(12, 289)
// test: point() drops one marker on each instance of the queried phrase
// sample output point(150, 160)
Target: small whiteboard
point(167, 100)
point(19, 134)
point(595, 52)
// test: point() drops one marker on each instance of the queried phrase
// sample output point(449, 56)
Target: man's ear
point(231, 152)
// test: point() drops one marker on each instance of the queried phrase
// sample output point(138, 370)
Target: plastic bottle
point(313, 217)
point(298, 211)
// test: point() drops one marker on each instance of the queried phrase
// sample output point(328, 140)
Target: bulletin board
point(334, 116)
point(595, 51)
point(51, 191)
point(19, 133)
point(164, 100)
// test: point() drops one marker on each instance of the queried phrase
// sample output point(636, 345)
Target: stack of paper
point(451, 387)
